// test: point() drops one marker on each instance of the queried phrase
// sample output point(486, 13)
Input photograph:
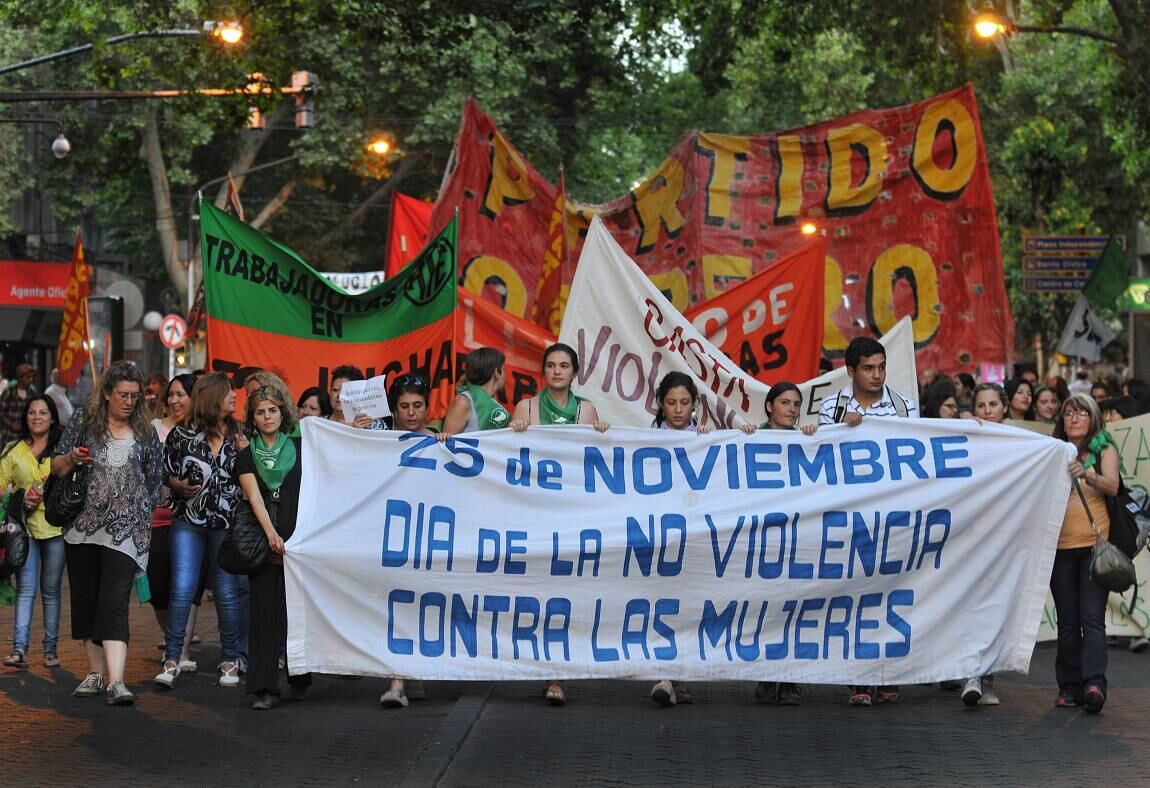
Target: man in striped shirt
point(866, 395)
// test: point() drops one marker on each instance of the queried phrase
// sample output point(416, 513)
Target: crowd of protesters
point(171, 465)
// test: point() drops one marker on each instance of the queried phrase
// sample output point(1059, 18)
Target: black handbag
point(64, 496)
point(13, 536)
point(245, 549)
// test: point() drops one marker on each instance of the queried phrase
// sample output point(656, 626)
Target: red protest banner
point(551, 293)
point(772, 324)
point(480, 323)
point(407, 232)
point(72, 352)
point(903, 195)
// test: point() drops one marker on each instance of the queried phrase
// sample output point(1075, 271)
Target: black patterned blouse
point(188, 456)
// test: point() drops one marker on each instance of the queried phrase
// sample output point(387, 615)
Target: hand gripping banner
point(893, 552)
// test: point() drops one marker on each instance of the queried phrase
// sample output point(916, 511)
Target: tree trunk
point(153, 156)
point(275, 204)
point(251, 142)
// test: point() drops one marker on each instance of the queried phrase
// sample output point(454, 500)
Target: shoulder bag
point(64, 496)
point(1109, 567)
point(245, 550)
point(13, 535)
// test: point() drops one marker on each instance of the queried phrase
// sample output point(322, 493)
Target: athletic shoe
point(188, 666)
point(229, 674)
point(17, 659)
point(887, 694)
point(117, 695)
point(988, 698)
point(682, 694)
point(167, 677)
point(860, 697)
point(1138, 645)
point(266, 701)
point(1066, 700)
point(90, 687)
point(393, 699)
point(972, 692)
point(663, 693)
point(1094, 699)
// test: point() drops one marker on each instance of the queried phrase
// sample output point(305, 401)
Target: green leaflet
point(251, 280)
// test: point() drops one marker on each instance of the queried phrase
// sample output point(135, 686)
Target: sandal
point(51, 661)
point(17, 659)
point(555, 695)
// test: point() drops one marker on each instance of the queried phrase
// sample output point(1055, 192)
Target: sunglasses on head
point(413, 381)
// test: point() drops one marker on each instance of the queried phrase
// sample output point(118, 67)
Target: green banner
point(253, 281)
point(1136, 296)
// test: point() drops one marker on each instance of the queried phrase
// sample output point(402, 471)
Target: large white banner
point(628, 336)
point(898, 551)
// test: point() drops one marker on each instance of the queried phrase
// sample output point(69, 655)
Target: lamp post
point(991, 25)
point(228, 33)
point(60, 146)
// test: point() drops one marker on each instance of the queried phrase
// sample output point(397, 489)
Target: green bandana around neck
point(551, 413)
point(273, 464)
point(1097, 444)
point(489, 413)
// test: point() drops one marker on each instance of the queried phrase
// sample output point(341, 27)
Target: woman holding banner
point(270, 470)
point(783, 405)
point(557, 405)
point(407, 398)
point(1080, 663)
point(475, 407)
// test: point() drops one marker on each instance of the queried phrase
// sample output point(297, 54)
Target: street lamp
point(60, 146)
point(227, 32)
point(989, 24)
point(380, 146)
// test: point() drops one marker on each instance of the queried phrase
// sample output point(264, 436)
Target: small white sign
point(365, 396)
point(173, 330)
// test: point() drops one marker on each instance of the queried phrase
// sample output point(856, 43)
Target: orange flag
point(551, 293)
point(71, 355)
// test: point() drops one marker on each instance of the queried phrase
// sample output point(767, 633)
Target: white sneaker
point(989, 698)
point(92, 685)
point(229, 674)
point(663, 693)
point(188, 666)
point(972, 692)
point(167, 677)
point(1138, 645)
point(393, 699)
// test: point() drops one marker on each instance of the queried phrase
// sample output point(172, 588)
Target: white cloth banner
point(892, 552)
point(1085, 334)
point(628, 336)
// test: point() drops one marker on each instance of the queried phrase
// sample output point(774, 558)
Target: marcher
point(314, 402)
point(344, 374)
point(867, 395)
point(1046, 405)
point(199, 464)
point(59, 395)
point(964, 394)
point(12, 402)
point(940, 401)
point(1100, 391)
point(25, 464)
point(783, 405)
point(270, 468)
point(177, 401)
point(1019, 400)
point(108, 543)
point(989, 406)
point(1080, 602)
point(475, 407)
point(407, 398)
point(556, 404)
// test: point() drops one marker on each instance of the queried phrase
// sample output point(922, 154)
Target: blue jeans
point(1081, 606)
point(44, 569)
point(189, 546)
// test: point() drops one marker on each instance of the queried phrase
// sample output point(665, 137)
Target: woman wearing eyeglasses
point(107, 545)
point(1080, 662)
point(199, 463)
point(556, 404)
point(407, 398)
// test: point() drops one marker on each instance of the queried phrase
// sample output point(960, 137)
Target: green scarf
point(1097, 444)
point(551, 413)
point(489, 413)
point(273, 464)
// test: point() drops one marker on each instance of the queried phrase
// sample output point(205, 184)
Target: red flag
point(72, 353)
point(410, 219)
point(772, 324)
point(550, 293)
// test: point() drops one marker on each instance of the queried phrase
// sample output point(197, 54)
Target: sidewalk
point(503, 734)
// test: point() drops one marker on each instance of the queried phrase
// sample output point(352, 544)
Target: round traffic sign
point(173, 331)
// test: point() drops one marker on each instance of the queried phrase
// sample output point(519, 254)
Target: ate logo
point(432, 273)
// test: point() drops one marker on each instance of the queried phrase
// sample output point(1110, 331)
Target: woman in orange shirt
point(1080, 664)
